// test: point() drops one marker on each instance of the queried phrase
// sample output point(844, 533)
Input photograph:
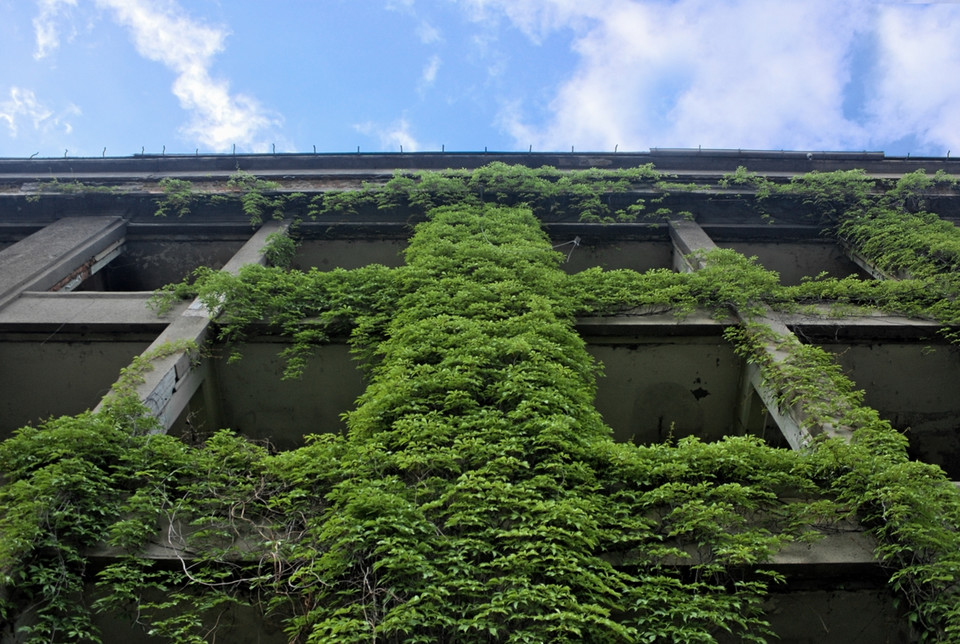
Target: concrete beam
point(117, 311)
point(799, 435)
point(92, 311)
point(59, 256)
point(689, 239)
point(175, 378)
point(845, 545)
point(863, 263)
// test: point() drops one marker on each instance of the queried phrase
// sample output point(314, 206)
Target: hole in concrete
point(655, 391)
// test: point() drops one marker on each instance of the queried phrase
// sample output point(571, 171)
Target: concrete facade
point(76, 272)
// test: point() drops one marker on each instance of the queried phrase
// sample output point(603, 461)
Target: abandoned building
point(775, 500)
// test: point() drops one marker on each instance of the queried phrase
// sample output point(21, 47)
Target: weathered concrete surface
point(914, 386)
point(863, 263)
point(327, 254)
point(53, 255)
point(653, 391)
point(43, 377)
point(688, 240)
point(794, 261)
point(148, 264)
point(254, 401)
point(639, 256)
point(103, 312)
point(647, 386)
point(176, 377)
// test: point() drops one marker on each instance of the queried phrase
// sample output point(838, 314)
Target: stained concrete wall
point(43, 378)
point(654, 390)
point(634, 255)
point(257, 403)
point(148, 264)
point(794, 261)
point(691, 383)
point(328, 254)
point(914, 386)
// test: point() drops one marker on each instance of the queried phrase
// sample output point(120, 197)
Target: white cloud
point(918, 89)
point(429, 74)
point(536, 18)
point(46, 27)
point(162, 32)
point(23, 105)
point(745, 73)
point(740, 73)
point(428, 34)
point(392, 137)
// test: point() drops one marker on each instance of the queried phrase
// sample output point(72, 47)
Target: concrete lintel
point(52, 256)
point(652, 323)
point(175, 378)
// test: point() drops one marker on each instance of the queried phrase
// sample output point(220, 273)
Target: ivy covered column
point(479, 496)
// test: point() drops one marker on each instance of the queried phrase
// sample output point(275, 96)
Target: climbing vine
point(911, 507)
point(477, 494)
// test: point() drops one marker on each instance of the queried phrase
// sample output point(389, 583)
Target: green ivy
point(477, 495)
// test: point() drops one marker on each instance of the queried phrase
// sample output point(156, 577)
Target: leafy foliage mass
point(477, 496)
point(595, 195)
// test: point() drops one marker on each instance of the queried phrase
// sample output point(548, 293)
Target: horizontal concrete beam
point(98, 311)
point(844, 545)
point(118, 311)
point(683, 161)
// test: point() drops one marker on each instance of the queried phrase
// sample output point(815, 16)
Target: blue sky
point(81, 76)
